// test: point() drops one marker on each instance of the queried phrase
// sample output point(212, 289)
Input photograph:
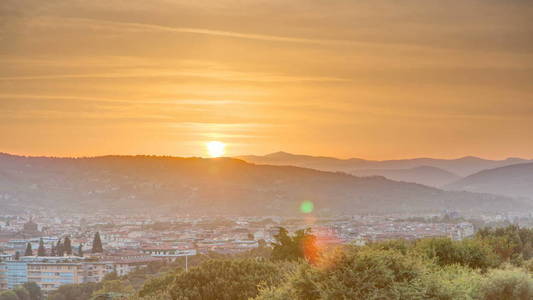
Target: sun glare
point(216, 148)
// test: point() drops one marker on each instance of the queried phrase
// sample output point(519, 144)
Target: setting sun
point(216, 148)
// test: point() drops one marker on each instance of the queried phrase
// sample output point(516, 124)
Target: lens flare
point(307, 207)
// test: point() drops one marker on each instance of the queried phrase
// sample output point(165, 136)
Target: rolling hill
point(217, 186)
point(425, 175)
point(514, 181)
point(456, 167)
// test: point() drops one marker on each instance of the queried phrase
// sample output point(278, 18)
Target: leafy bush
point(471, 253)
point(355, 274)
point(216, 279)
point(506, 284)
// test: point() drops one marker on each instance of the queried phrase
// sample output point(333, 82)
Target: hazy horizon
point(371, 79)
point(206, 155)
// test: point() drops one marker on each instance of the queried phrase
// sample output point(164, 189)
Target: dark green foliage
point(67, 246)
point(511, 243)
point(75, 291)
point(158, 284)
point(401, 246)
point(8, 295)
point(302, 245)
point(22, 293)
point(356, 274)
point(60, 249)
point(506, 285)
point(112, 289)
point(97, 244)
point(80, 250)
point(225, 280)
point(28, 251)
point(34, 290)
point(471, 253)
point(41, 251)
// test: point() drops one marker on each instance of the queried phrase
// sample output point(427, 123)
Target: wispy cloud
point(122, 26)
point(155, 73)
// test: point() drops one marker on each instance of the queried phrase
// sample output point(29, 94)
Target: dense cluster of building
point(132, 242)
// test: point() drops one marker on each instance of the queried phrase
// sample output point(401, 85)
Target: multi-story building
point(96, 271)
point(52, 272)
point(168, 253)
point(48, 272)
point(50, 275)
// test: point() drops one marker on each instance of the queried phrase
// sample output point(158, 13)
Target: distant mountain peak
point(280, 154)
point(471, 158)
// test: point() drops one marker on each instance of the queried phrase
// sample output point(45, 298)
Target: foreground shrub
point(355, 274)
point(470, 252)
point(506, 284)
point(215, 279)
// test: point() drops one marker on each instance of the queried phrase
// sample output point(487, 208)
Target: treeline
point(496, 264)
point(63, 247)
point(26, 291)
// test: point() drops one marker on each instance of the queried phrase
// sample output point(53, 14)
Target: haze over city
point(266, 149)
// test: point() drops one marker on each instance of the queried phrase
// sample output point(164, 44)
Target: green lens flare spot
point(307, 207)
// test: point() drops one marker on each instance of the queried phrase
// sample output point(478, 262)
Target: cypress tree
point(41, 251)
point(67, 247)
point(97, 244)
point(59, 248)
point(80, 250)
point(29, 251)
point(17, 255)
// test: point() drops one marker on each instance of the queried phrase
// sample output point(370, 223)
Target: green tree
point(472, 253)
point(34, 290)
point(506, 284)
point(512, 243)
point(60, 249)
point(74, 291)
point(114, 288)
point(97, 244)
point(67, 246)
point(8, 295)
point(41, 251)
point(355, 274)
point(302, 245)
point(80, 250)
point(22, 293)
point(221, 279)
point(158, 284)
point(28, 251)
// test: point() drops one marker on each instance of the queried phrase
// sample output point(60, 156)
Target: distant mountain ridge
point(425, 175)
point(514, 181)
point(218, 186)
point(455, 167)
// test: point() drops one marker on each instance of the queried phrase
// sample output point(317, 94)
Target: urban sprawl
point(52, 250)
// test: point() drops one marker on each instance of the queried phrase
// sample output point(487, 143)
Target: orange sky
point(370, 78)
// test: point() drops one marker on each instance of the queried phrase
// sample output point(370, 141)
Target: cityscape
point(134, 241)
point(266, 150)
